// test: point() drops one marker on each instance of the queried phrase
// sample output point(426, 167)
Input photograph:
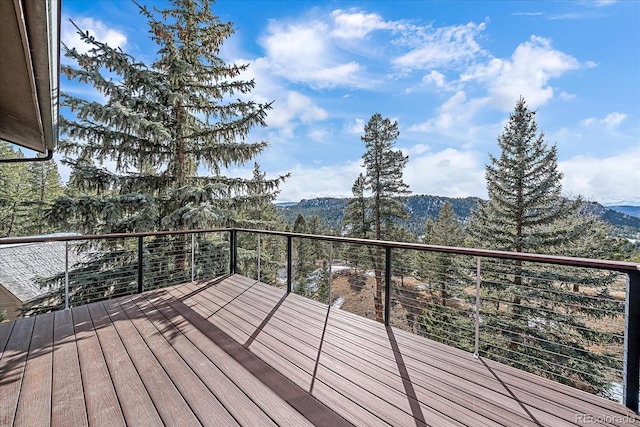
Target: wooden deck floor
point(233, 351)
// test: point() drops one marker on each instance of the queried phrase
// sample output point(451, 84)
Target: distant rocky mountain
point(628, 210)
point(421, 207)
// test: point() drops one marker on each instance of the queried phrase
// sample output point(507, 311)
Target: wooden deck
point(233, 351)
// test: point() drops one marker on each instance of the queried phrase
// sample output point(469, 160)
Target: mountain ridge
point(421, 206)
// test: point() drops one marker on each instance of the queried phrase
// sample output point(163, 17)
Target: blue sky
point(448, 71)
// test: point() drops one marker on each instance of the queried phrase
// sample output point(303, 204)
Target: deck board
point(67, 396)
point(100, 396)
point(171, 406)
point(126, 381)
point(34, 409)
point(12, 367)
point(233, 351)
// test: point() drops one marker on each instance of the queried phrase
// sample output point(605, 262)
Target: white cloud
point(454, 115)
point(96, 28)
point(415, 149)
point(611, 121)
point(449, 173)
point(317, 134)
point(527, 73)
point(446, 46)
point(356, 126)
point(598, 3)
point(434, 78)
point(606, 180)
point(290, 108)
point(567, 96)
point(328, 181)
point(302, 52)
point(355, 24)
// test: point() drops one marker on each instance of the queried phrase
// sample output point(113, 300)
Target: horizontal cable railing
point(574, 320)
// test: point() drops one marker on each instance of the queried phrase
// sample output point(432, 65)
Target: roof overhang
point(30, 73)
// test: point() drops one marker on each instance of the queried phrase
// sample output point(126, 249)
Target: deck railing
point(574, 320)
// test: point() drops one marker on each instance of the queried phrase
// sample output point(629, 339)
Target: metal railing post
point(233, 251)
point(193, 257)
point(258, 257)
point(66, 275)
point(631, 364)
point(476, 347)
point(289, 263)
point(140, 263)
point(387, 286)
point(330, 271)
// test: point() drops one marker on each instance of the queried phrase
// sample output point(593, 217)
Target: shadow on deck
point(233, 351)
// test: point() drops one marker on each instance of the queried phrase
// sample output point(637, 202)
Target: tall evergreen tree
point(26, 192)
point(526, 212)
point(303, 256)
point(322, 277)
point(383, 179)
point(442, 271)
point(440, 268)
point(355, 218)
point(45, 186)
point(161, 124)
point(356, 221)
point(14, 191)
point(261, 213)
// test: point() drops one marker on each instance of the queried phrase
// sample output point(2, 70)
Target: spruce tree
point(27, 191)
point(14, 191)
point(443, 273)
point(262, 214)
point(45, 185)
point(356, 221)
point(383, 179)
point(537, 319)
point(355, 218)
point(440, 269)
point(303, 251)
point(161, 125)
point(322, 277)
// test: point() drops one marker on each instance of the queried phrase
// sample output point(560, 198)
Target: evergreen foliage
point(260, 214)
point(443, 272)
point(27, 191)
point(322, 293)
point(15, 190)
point(302, 257)
point(160, 125)
point(440, 269)
point(524, 311)
point(380, 212)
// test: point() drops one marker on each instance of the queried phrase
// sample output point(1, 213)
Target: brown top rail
point(621, 266)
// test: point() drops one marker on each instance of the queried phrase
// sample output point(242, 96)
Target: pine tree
point(262, 214)
point(322, 293)
point(355, 218)
point(161, 125)
point(438, 268)
point(383, 179)
point(45, 185)
point(443, 272)
point(356, 221)
point(526, 212)
point(303, 257)
point(14, 192)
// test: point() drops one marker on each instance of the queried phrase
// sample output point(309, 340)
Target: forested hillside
point(629, 210)
point(421, 207)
